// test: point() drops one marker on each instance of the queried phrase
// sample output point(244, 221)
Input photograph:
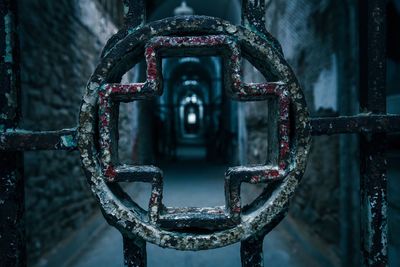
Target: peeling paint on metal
point(132, 222)
point(8, 57)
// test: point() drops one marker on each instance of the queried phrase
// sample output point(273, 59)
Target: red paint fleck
point(271, 88)
point(272, 173)
point(149, 51)
point(104, 120)
point(236, 209)
point(284, 149)
point(284, 106)
point(102, 97)
point(153, 199)
point(282, 165)
point(110, 172)
point(152, 71)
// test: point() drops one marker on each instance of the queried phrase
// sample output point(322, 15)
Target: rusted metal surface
point(22, 140)
point(10, 72)
point(12, 232)
point(251, 252)
point(373, 200)
point(251, 249)
point(372, 146)
point(111, 94)
point(139, 42)
point(65, 139)
point(253, 18)
point(135, 254)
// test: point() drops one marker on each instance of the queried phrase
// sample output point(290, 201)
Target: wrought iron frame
point(372, 125)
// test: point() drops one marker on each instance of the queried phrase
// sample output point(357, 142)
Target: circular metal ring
point(121, 54)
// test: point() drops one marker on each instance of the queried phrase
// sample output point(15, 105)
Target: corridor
point(192, 181)
point(88, 84)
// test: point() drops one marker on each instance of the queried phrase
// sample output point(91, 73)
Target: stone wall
point(315, 40)
point(60, 44)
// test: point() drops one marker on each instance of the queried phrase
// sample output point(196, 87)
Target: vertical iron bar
point(12, 229)
point(251, 252)
point(373, 163)
point(253, 14)
point(135, 254)
point(251, 249)
point(135, 12)
point(253, 18)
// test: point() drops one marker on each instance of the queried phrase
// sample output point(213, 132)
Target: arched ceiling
point(225, 9)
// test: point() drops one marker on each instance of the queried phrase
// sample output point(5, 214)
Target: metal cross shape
point(205, 227)
point(199, 218)
point(97, 135)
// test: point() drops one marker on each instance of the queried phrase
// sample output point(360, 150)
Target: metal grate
point(372, 126)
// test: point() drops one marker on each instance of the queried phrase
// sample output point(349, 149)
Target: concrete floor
point(195, 183)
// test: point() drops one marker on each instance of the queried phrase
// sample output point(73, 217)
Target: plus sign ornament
point(192, 228)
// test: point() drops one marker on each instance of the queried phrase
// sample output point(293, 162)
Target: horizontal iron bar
point(214, 218)
point(363, 123)
point(125, 173)
point(65, 139)
point(22, 140)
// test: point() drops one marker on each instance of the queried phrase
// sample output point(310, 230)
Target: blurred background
point(194, 131)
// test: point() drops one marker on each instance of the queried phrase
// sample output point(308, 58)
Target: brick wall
point(60, 42)
point(317, 44)
point(306, 31)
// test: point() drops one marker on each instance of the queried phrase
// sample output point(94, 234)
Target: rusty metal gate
point(197, 228)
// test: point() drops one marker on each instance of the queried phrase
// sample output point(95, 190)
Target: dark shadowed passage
point(195, 182)
point(168, 90)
